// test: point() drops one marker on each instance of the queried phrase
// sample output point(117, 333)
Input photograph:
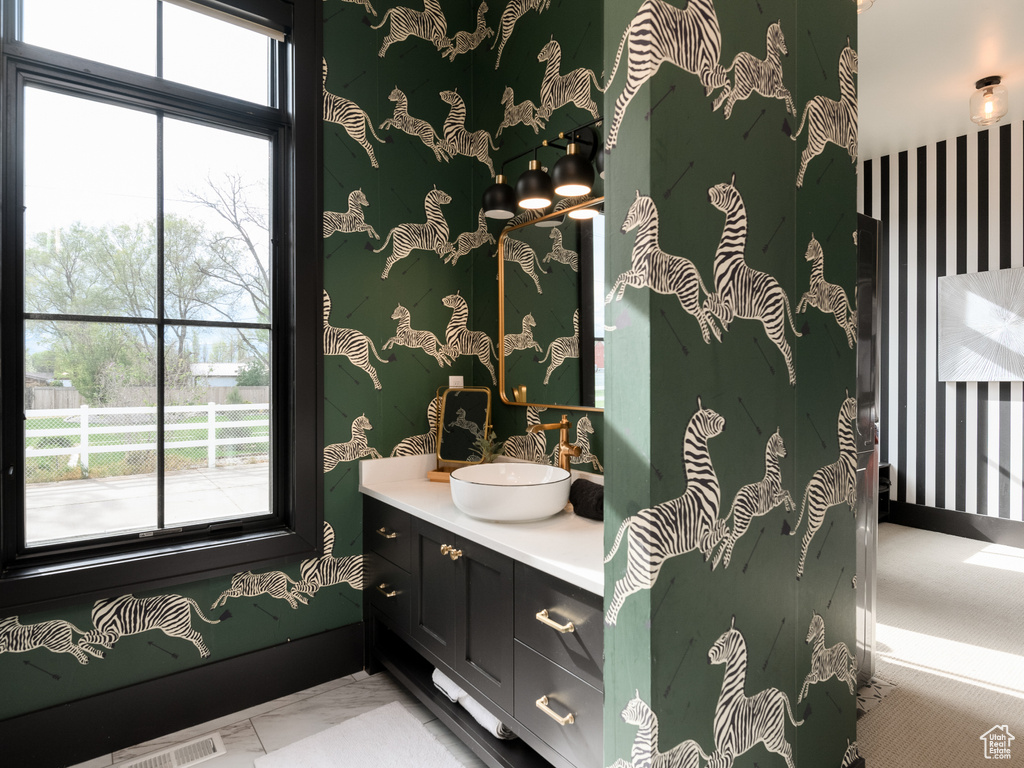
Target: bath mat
point(387, 736)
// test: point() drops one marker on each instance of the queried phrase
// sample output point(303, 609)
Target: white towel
point(490, 723)
point(447, 686)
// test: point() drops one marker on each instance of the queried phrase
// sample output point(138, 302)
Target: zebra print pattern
point(327, 571)
point(560, 253)
point(430, 236)
point(461, 422)
point(851, 755)
point(650, 267)
point(351, 220)
point(584, 429)
point(531, 446)
point(834, 661)
point(689, 38)
point(405, 336)
point(525, 112)
point(742, 291)
point(754, 75)
point(462, 341)
point(413, 126)
point(828, 297)
point(353, 344)
point(464, 42)
point(563, 348)
point(557, 90)
point(675, 527)
point(517, 341)
point(55, 636)
point(115, 617)
point(426, 443)
point(459, 141)
point(645, 752)
point(354, 449)
point(518, 252)
point(757, 499)
point(468, 241)
point(514, 10)
point(351, 117)
point(833, 484)
point(742, 722)
point(428, 24)
point(249, 584)
point(831, 121)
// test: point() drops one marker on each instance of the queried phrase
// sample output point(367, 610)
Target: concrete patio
point(75, 509)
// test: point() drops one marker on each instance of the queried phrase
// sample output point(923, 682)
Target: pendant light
point(499, 199)
point(572, 175)
point(534, 189)
point(863, 5)
point(989, 101)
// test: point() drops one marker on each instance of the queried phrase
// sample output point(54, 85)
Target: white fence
point(83, 432)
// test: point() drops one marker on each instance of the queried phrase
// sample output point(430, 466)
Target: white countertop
point(566, 546)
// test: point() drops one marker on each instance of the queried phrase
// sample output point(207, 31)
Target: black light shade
point(499, 200)
point(599, 161)
point(534, 189)
point(572, 175)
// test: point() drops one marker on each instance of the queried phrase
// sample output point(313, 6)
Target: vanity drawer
point(579, 742)
point(387, 588)
point(388, 531)
point(579, 651)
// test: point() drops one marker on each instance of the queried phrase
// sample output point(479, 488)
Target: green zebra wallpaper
point(729, 577)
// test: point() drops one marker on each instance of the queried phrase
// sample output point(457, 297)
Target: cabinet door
point(483, 622)
point(433, 584)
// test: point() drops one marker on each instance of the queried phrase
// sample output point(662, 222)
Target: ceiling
point(919, 60)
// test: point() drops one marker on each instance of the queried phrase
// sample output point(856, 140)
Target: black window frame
point(46, 577)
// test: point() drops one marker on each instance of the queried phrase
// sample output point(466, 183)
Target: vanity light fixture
point(499, 199)
point(573, 176)
point(534, 189)
point(989, 101)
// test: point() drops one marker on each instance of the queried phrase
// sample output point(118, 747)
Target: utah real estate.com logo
point(997, 742)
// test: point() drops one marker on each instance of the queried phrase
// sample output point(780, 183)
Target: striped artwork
point(954, 207)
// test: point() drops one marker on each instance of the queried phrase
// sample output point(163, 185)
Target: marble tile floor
point(257, 731)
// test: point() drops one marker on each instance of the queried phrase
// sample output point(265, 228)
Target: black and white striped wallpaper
point(953, 207)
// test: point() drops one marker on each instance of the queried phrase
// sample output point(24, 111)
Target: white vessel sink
point(510, 492)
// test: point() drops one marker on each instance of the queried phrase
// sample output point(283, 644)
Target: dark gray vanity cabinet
point(461, 597)
point(526, 645)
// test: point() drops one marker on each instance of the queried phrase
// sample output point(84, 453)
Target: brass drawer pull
point(542, 617)
point(384, 532)
point(542, 705)
point(383, 589)
point(452, 552)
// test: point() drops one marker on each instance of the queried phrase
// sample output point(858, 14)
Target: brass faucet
point(564, 450)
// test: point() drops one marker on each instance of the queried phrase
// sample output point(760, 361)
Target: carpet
point(950, 623)
point(387, 736)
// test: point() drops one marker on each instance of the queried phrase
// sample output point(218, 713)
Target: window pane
point(117, 32)
point(216, 424)
point(90, 430)
point(215, 55)
point(90, 242)
point(217, 204)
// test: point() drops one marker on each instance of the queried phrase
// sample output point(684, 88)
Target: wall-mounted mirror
point(551, 309)
point(465, 417)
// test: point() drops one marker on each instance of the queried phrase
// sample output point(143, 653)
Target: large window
point(160, 369)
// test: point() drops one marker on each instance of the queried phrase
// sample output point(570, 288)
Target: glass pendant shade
point(499, 200)
point(534, 189)
point(863, 5)
point(989, 102)
point(572, 175)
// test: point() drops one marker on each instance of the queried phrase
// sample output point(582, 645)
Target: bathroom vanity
point(512, 612)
